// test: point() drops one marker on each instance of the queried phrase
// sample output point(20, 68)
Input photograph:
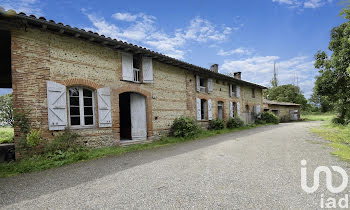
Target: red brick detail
point(115, 108)
point(80, 82)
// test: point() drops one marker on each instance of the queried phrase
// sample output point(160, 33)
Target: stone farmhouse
point(284, 110)
point(108, 91)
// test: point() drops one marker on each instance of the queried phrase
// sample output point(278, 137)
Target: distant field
point(318, 116)
point(6, 135)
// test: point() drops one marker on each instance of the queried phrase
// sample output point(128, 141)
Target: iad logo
point(329, 202)
point(329, 177)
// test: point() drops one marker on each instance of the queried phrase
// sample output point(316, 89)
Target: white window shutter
point(56, 105)
point(238, 109)
point(258, 110)
point(210, 85)
point(231, 94)
point(210, 112)
point(238, 89)
point(147, 70)
point(231, 109)
point(198, 83)
point(127, 67)
point(104, 107)
point(199, 117)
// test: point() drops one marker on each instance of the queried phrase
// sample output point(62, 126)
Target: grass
point(6, 135)
point(39, 163)
point(317, 116)
point(339, 135)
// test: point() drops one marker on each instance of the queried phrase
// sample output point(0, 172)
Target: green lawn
point(39, 163)
point(339, 136)
point(317, 116)
point(6, 135)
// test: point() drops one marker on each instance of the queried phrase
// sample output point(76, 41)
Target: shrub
point(234, 123)
point(216, 124)
point(184, 127)
point(6, 135)
point(66, 141)
point(34, 138)
point(339, 121)
point(269, 117)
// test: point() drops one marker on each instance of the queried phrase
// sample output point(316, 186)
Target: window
point(202, 85)
point(136, 68)
point(81, 107)
point(253, 93)
point(204, 112)
point(234, 90)
point(220, 110)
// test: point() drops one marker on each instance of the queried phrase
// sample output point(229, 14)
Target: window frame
point(203, 89)
point(221, 104)
point(81, 108)
point(204, 109)
point(136, 71)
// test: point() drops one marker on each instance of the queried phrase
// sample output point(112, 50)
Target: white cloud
point(303, 3)
point(238, 51)
point(124, 16)
point(256, 68)
point(26, 6)
point(142, 29)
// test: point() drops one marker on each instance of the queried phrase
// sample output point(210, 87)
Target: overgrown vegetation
point(184, 127)
point(268, 117)
point(234, 123)
point(6, 110)
point(216, 124)
point(317, 116)
point(6, 135)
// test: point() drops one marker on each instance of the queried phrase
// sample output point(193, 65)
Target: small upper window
point(203, 85)
point(253, 93)
point(81, 107)
point(136, 68)
point(234, 90)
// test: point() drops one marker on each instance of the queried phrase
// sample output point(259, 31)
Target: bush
point(234, 123)
point(34, 138)
point(339, 121)
point(66, 141)
point(269, 117)
point(184, 127)
point(216, 124)
point(6, 135)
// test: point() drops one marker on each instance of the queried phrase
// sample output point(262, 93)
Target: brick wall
point(38, 56)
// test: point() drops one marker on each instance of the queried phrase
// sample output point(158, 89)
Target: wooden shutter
point(138, 116)
point(238, 89)
point(199, 117)
point(210, 85)
point(104, 107)
point(238, 109)
point(231, 94)
point(198, 83)
point(147, 70)
point(56, 105)
point(231, 109)
point(258, 110)
point(210, 112)
point(127, 67)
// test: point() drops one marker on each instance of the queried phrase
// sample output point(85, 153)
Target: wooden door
point(138, 117)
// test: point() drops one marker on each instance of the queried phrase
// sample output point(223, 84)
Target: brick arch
point(135, 89)
point(81, 82)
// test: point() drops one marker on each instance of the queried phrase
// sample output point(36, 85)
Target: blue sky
point(239, 35)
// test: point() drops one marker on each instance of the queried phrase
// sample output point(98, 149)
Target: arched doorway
point(132, 113)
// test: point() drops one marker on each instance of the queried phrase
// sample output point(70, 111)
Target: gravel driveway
point(256, 168)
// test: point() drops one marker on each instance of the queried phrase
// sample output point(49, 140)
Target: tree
point(334, 80)
point(6, 109)
point(287, 93)
point(322, 103)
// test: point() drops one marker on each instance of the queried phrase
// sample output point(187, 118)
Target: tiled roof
point(90, 36)
point(279, 103)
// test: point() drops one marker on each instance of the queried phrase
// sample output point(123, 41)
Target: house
point(284, 110)
point(108, 91)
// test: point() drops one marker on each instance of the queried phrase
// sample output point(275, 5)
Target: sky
point(239, 35)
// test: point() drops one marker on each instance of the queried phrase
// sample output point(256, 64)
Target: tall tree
point(274, 81)
point(334, 79)
point(287, 93)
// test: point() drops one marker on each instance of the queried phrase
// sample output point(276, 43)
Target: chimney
point(214, 68)
point(237, 75)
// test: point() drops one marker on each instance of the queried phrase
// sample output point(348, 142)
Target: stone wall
point(38, 56)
